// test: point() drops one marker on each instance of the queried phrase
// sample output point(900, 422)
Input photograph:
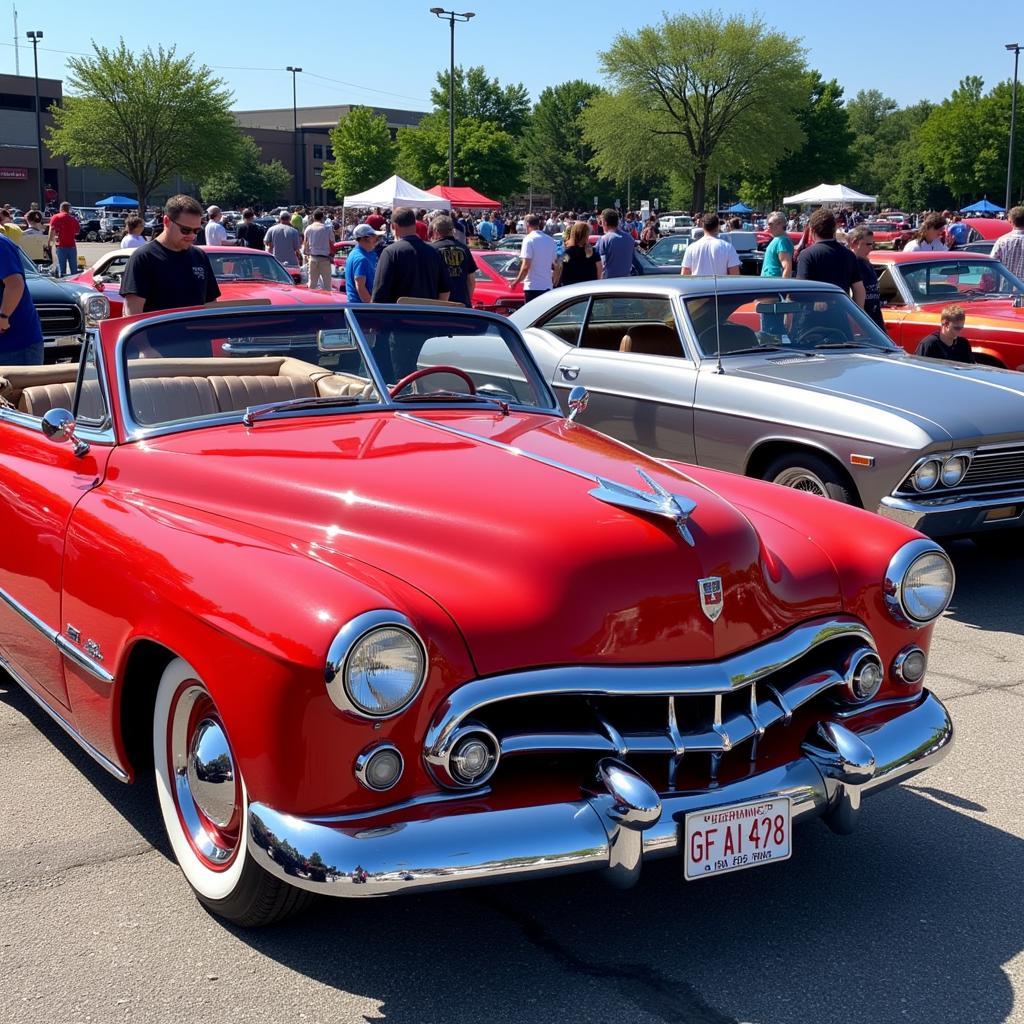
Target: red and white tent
point(465, 198)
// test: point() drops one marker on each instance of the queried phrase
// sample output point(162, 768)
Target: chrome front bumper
point(952, 516)
point(613, 827)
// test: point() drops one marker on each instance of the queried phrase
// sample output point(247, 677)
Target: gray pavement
point(915, 918)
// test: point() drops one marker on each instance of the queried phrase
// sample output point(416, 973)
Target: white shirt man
point(1009, 249)
point(710, 256)
point(216, 233)
point(537, 260)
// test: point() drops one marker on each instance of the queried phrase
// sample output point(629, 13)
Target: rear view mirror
point(762, 308)
point(340, 340)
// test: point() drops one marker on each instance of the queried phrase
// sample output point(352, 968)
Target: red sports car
point(916, 286)
point(382, 619)
point(241, 273)
point(494, 275)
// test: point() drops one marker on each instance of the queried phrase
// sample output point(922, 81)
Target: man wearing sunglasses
point(860, 241)
point(169, 272)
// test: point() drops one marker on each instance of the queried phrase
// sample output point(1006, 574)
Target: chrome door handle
point(569, 372)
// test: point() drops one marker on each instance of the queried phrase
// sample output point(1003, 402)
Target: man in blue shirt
point(485, 229)
point(361, 265)
point(614, 247)
point(21, 334)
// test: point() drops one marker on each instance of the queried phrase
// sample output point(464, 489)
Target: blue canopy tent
point(739, 208)
point(982, 206)
point(118, 201)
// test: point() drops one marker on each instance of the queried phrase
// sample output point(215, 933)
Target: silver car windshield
point(742, 322)
point(189, 368)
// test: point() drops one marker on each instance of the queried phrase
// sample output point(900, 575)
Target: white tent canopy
point(823, 193)
point(397, 191)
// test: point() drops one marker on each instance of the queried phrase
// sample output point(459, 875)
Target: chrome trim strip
point(481, 846)
point(62, 644)
point(101, 759)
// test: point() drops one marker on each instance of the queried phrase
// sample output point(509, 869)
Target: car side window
point(888, 292)
point(90, 409)
point(567, 321)
point(637, 324)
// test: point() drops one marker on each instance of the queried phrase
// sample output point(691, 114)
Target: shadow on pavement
point(988, 595)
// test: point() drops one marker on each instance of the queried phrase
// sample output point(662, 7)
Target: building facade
point(19, 175)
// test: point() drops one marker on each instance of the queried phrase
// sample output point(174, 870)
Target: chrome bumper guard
point(617, 824)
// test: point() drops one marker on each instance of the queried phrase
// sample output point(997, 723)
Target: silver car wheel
point(801, 479)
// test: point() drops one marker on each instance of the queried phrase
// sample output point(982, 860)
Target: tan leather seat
point(232, 393)
point(41, 399)
point(651, 340)
point(165, 399)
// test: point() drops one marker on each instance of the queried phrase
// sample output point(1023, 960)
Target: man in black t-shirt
point(947, 342)
point(168, 273)
point(409, 267)
point(828, 260)
point(458, 260)
point(250, 234)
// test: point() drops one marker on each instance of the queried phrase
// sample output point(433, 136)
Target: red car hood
point(532, 568)
point(275, 294)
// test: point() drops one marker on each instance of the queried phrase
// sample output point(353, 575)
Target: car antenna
point(718, 330)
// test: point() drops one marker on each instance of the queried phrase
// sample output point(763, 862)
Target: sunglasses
point(185, 230)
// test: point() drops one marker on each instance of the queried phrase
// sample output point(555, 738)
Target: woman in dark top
point(947, 342)
point(580, 262)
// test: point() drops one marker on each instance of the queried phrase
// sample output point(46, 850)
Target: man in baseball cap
point(361, 265)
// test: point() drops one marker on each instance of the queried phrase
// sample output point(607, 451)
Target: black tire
point(92, 236)
point(805, 471)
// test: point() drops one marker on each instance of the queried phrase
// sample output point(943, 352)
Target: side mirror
point(59, 426)
point(579, 399)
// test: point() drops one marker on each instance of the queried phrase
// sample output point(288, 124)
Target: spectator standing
point(421, 225)
point(458, 259)
point(579, 262)
point(169, 272)
point(376, 220)
point(316, 246)
point(1009, 248)
point(710, 256)
point(929, 235)
point(361, 265)
point(64, 230)
point(778, 257)
point(948, 342)
point(284, 242)
point(409, 267)
point(536, 260)
point(486, 230)
point(615, 247)
point(650, 233)
point(860, 242)
point(133, 228)
point(827, 260)
point(957, 232)
point(216, 233)
point(297, 220)
point(21, 334)
point(251, 234)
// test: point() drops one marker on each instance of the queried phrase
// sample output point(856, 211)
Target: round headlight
point(96, 307)
point(379, 768)
point(909, 665)
point(376, 665)
point(919, 582)
point(954, 470)
point(926, 476)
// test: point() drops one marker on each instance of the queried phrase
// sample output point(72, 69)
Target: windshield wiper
point(755, 348)
point(452, 396)
point(256, 412)
point(846, 344)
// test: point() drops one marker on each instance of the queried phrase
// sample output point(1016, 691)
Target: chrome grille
point(996, 467)
point(60, 320)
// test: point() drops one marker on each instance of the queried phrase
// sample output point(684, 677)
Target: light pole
point(1015, 47)
point(300, 176)
point(451, 17)
point(35, 37)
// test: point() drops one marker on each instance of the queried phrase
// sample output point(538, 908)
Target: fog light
point(473, 758)
point(863, 676)
point(379, 768)
point(909, 665)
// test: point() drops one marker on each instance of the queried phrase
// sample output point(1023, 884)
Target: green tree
point(249, 182)
point(147, 116)
point(554, 149)
point(364, 153)
point(484, 99)
point(485, 156)
point(702, 92)
point(948, 141)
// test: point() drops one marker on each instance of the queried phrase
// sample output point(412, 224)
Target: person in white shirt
point(216, 233)
point(133, 233)
point(710, 256)
point(929, 236)
point(536, 260)
point(317, 247)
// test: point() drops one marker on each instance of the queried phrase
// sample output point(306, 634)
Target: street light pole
point(451, 17)
point(35, 37)
point(1015, 47)
point(300, 152)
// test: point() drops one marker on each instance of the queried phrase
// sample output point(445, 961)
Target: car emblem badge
point(711, 596)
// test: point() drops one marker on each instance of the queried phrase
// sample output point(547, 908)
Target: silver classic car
point(789, 382)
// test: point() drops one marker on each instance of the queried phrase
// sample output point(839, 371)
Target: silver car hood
point(949, 401)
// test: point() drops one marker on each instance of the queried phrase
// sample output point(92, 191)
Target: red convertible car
point(916, 286)
point(243, 274)
point(381, 619)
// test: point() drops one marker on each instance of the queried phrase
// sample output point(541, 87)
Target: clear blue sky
point(387, 53)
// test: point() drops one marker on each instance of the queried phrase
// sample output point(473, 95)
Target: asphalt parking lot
point(915, 918)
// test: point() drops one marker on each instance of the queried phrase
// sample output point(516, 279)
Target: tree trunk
point(699, 181)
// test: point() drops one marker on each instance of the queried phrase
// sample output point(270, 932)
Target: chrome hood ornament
point(656, 502)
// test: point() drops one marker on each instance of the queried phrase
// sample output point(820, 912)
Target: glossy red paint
point(493, 291)
point(994, 327)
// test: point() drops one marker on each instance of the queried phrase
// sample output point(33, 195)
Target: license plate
point(737, 836)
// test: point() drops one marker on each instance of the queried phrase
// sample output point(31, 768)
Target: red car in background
point(916, 286)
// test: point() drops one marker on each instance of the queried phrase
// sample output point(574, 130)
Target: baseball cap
point(364, 231)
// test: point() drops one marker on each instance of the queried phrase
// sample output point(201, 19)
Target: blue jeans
point(32, 355)
point(67, 256)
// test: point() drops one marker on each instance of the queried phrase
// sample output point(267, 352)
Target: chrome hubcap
point(802, 480)
point(211, 773)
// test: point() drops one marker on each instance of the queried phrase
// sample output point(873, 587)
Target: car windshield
point(668, 252)
point(28, 266)
point(196, 367)
point(503, 263)
point(247, 265)
point(749, 321)
point(959, 280)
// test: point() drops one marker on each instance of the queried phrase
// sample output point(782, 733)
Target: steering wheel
point(426, 370)
point(823, 334)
